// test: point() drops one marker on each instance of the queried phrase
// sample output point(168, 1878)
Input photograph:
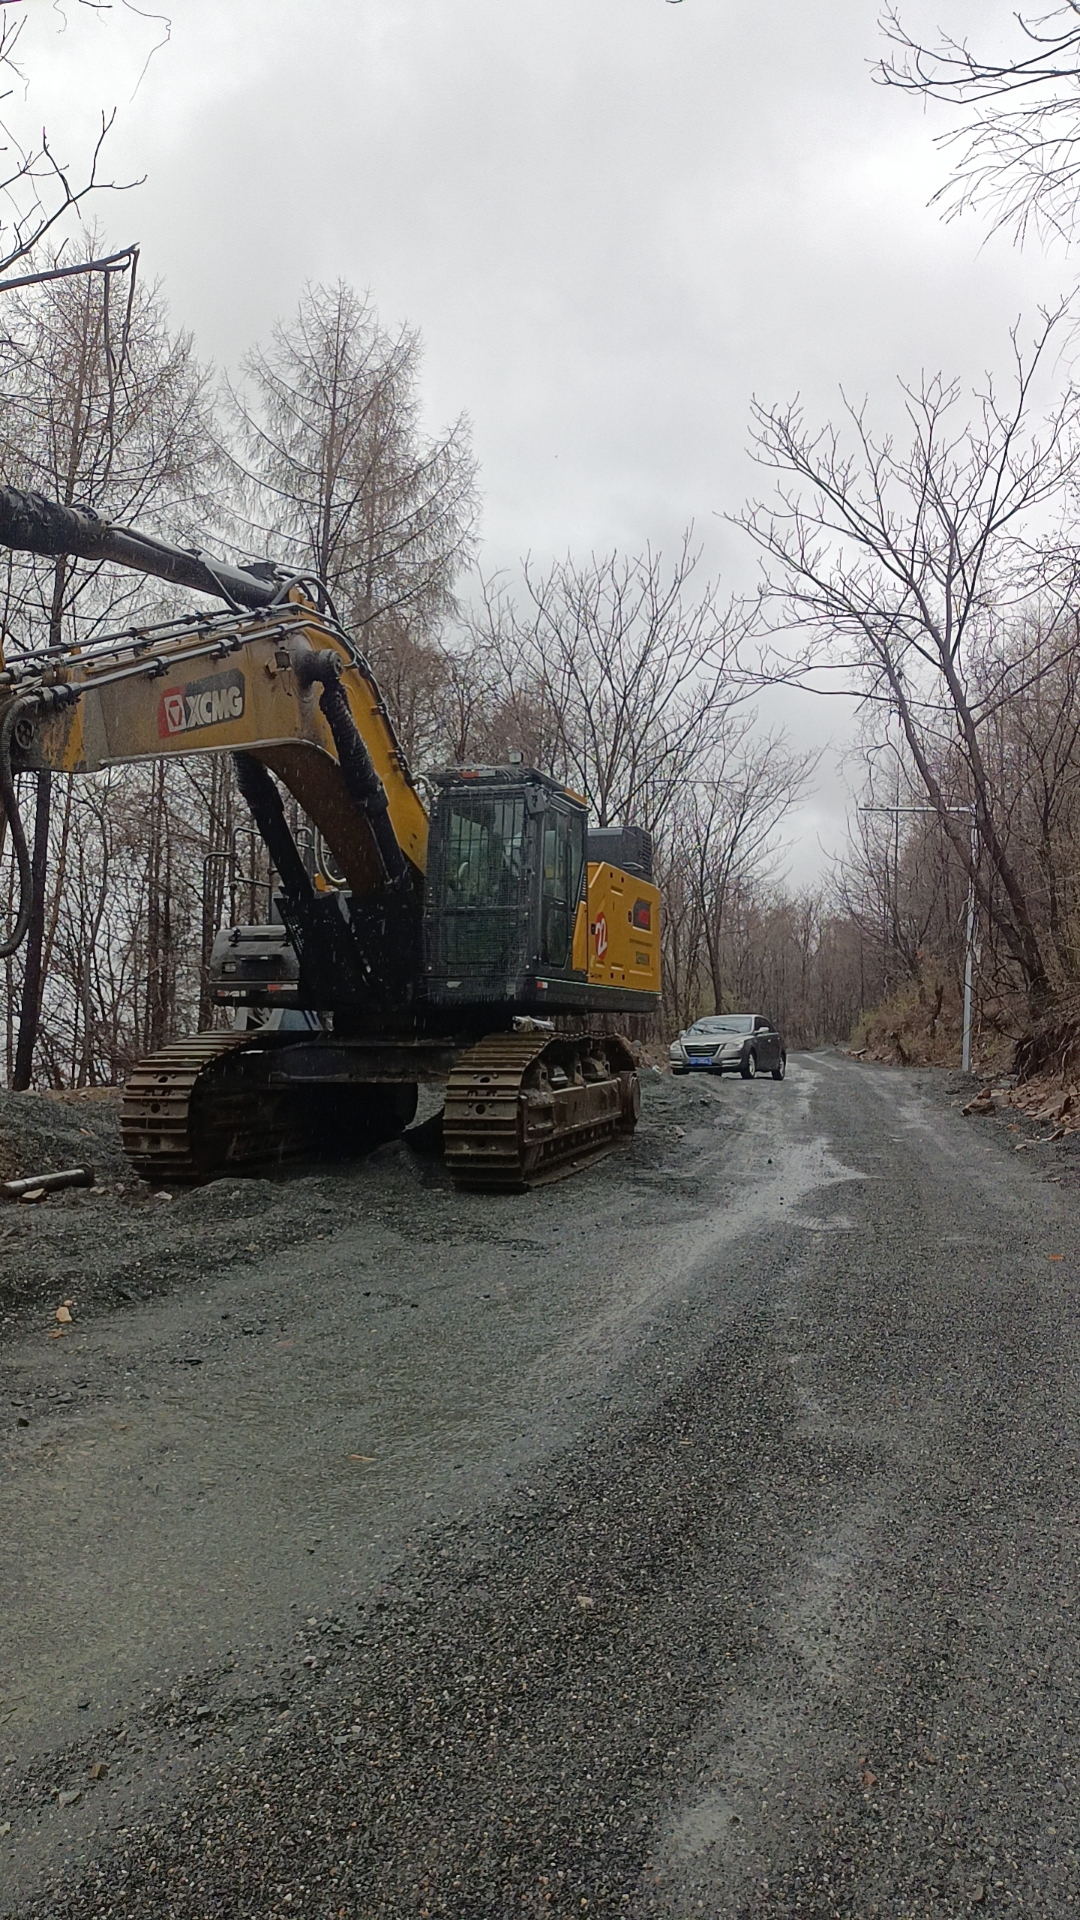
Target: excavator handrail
point(31, 671)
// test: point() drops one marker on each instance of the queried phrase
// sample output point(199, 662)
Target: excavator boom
point(274, 677)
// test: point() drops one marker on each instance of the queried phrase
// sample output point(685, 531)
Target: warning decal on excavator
point(202, 703)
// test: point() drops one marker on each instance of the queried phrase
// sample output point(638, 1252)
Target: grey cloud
point(613, 222)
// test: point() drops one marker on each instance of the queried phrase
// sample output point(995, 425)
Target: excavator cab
point(505, 889)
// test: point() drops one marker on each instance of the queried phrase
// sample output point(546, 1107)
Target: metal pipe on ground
point(47, 1182)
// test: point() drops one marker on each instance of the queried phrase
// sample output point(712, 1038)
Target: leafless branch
point(1018, 146)
point(39, 190)
point(900, 564)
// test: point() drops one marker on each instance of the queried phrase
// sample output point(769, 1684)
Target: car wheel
point(749, 1066)
point(779, 1072)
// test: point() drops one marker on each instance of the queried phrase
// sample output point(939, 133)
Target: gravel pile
point(123, 1243)
point(43, 1132)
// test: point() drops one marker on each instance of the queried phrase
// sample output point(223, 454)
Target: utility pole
point(969, 944)
point(969, 955)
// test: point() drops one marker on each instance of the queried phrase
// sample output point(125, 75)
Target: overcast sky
point(613, 222)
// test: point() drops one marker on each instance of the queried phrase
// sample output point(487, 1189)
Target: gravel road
point(698, 1536)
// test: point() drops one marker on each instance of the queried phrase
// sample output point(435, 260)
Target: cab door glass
point(483, 846)
point(560, 885)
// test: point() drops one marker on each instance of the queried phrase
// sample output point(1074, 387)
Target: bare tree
point(617, 675)
point(126, 435)
point(733, 815)
point(340, 481)
point(1019, 143)
point(717, 846)
point(1033, 727)
point(682, 944)
point(796, 957)
point(900, 562)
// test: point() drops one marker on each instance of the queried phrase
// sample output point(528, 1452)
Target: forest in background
point(925, 571)
point(621, 675)
point(932, 580)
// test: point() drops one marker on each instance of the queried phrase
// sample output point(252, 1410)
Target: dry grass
point(922, 1026)
point(1036, 1074)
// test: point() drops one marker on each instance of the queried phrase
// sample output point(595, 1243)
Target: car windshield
point(725, 1023)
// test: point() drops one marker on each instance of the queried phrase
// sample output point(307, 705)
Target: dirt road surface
point(697, 1536)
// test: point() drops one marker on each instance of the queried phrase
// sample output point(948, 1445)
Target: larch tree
point(341, 481)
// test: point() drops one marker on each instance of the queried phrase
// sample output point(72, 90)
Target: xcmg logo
point(202, 703)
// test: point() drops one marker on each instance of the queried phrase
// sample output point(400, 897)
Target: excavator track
point(211, 1105)
point(174, 1115)
point(525, 1108)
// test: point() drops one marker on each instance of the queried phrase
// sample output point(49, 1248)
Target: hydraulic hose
point(9, 804)
point(365, 788)
point(263, 798)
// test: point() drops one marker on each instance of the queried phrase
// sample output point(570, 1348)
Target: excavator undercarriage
point(214, 1104)
point(521, 1109)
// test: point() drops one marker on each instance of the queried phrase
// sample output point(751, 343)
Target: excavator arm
point(273, 679)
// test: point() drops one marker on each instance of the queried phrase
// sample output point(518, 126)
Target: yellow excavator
point(484, 942)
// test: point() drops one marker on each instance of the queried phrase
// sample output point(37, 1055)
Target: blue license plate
point(701, 1059)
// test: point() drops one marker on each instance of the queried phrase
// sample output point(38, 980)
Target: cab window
point(562, 873)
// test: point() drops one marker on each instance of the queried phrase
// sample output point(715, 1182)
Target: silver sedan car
point(743, 1043)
